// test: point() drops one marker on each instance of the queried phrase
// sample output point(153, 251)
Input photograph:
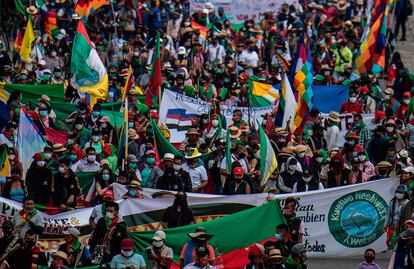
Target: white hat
point(75, 16)
point(181, 50)
point(159, 235)
point(205, 11)
point(209, 5)
point(42, 62)
point(168, 156)
point(72, 231)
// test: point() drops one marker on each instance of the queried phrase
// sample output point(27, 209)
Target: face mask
point(29, 244)
point(58, 74)
point(301, 154)
point(43, 113)
point(327, 73)
point(369, 259)
point(288, 212)
point(362, 158)
point(132, 193)
point(390, 159)
point(386, 97)
point(91, 158)
point(11, 156)
point(127, 253)
point(406, 101)
point(105, 177)
point(79, 126)
point(110, 215)
point(319, 159)
point(132, 165)
point(130, 124)
point(352, 100)
point(95, 138)
point(242, 155)
point(214, 123)
point(82, 111)
point(70, 142)
point(205, 121)
point(292, 167)
point(48, 156)
point(40, 163)
point(104, 125)
point(150, 161)
point(136, 53)
point(158, 244)
point(278, 236)
point(15, 132)
point(73, 157)
point(54, 53)
point(177, 167)
point(187, 23)
point(390, 129)
point(307, 179)
point(62, 170)
point(399, 195)
point(96, 113)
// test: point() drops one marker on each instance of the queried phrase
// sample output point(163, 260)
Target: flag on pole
point(28, 38)
point(268, 162)
point(127, 86)
point(287, 103)
point(88, 72)
point(29, 141)
point(155, 82)
point(84, 8)
point(49, 19)
point(4, 163)
point(303, 82)
point(203, 30)
point(263, 94)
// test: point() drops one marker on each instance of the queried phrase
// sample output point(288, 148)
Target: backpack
point(408, 8)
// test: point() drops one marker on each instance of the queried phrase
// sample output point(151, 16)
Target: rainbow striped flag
point(371, 55)
point(203, 29)
point(84, 8)
point(303, 81)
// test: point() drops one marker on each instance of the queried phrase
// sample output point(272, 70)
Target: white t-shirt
point(249, 58)
point(198, 174)
point(212, 52)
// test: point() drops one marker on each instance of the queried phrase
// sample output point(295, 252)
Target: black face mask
point(179, 201)
point(336, 164)
point(29, 244)
point(242, 155)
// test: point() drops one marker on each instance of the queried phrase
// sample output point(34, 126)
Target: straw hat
point(334, 116)
point(60, 1)
point(59, 148)
point(200, 232)
point(275, 254)
point(234, 132)
point(132, 134)
point(279, 131)
point(192, 131)
point(134, 184)
point(301, 148)
point(32, 10)
point(383, 164)
point(61, 255)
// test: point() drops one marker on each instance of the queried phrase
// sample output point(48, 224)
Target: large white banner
point(178, 110)
point(338, 222)
point(240, 10)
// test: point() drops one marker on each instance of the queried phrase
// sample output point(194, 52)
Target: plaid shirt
point(365, 135)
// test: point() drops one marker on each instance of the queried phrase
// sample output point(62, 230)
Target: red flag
point(156, 77)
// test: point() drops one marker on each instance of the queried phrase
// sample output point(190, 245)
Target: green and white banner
point(338, 222)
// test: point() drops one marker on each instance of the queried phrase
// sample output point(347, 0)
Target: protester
point(296, 226)
point(369, 260)
point(77, 254)
point(189, 252)
point(128, 258)
point(159, 255)
point(179, 214)
point(28, 218)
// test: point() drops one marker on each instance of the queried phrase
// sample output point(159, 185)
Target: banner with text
point(178, 111)
point(238, 11)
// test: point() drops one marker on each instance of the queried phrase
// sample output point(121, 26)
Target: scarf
point(22, 214)
point(291, 261)
point(35, 256)
point(76, 246)
point(110, 226)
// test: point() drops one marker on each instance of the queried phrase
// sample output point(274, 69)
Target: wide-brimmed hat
point(192, 131)
point(132, 134)
point(275, 254)
point(61, 254)
point(59, 148)
point(45, 99)
point(301, 148)
point(60, 1)
point(286, 151)
point(384, 164)
point(192, 153)
point(298, 248)
point(104, 162)
point(234, 132)
point(341, 5)
point(391, 122)
point(334, 116)
point(409, 169)
point(75, 16)
point(72, 231)
point(134, 184)
point(200, 232)
point(32, 10)
point(279, 131)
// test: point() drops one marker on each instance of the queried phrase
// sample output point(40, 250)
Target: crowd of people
point(215, 66)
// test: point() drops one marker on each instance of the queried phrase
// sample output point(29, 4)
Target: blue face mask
point(105, 177)
point(73, 157)
point(132, 192)
point(150, 161)
point(132, 165)
point(96, 113)
point(58, 74)
point(278, 236)
point(130, 124)
point(43, 113)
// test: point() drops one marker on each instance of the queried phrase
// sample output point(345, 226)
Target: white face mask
point(54, 53)
point(177, 167)
point(70, 141)
point(48, 156)
point(301, 154)
point(158, 244)
point(386, 97)
point(78, 126)
point(40, 163)
point(91, 158)
point(362, 158)
point(292, 167)
point(136, 53)
point(214, 123)
point(15, 132)
point(62, 170)
point(406, 101)
point(187, 23)
point(127, 253)
point(352, 100)
point(319, 159)
point(104, 125)
point(110, 215)
point(399, 195)
point(95, 138)
point(390, 129)
point(205, 121)
point(11, 156)
point(307, 179)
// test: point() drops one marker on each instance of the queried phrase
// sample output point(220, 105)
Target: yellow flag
point(5, 171)
point(27, 41)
